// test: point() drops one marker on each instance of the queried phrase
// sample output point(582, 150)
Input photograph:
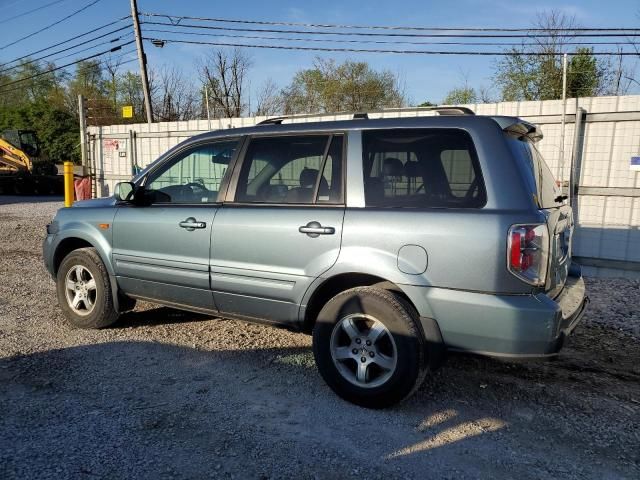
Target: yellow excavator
point(22, 171)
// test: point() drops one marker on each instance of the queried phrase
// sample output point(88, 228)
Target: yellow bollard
point(68, 184)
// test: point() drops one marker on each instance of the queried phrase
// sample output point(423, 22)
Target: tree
point(427, 103)
point(349, 86)
point(42, 85)
point(39, 104)
point(224, 72)
point(269, 99)
point(539, 77)
point(88, 81)
point(112, 67)
point(57, 129)
point(130, 93)
point(460, 95)
point(173, 96)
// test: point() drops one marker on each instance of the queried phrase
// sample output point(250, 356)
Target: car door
point(280, 226)
point(161, 250)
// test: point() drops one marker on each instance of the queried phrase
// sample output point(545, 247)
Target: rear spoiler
point(519, 128)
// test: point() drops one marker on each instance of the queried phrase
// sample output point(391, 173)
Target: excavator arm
point(12, 158)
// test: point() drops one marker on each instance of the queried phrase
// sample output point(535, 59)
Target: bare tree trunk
point(173, 96)
point(269, 101)
point(224, 73)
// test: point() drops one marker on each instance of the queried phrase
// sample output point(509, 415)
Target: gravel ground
point(177, 395)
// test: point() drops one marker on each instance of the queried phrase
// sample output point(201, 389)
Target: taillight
point(528, 252)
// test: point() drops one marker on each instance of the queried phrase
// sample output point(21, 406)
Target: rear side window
point(544, 184)
point(421, 168)
point(292, 169)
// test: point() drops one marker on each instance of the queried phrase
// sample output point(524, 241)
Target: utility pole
point(142, 59)
point(563, 120)
point(83, 133)
point(206, 99)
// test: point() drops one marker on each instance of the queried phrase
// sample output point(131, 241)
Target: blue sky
point(425, 77)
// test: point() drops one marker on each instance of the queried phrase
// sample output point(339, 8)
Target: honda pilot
point(392, 241)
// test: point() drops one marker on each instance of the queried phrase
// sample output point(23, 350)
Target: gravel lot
point(177, 395)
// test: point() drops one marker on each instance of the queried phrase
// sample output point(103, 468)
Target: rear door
point(559, 215)
point(559, 221)
point(281, 226)
point(161, 250)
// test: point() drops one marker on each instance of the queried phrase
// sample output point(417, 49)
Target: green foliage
point(39, 104)
point(349, 86)
point(585, 74)
point(48, 104)
point(129, 92)
point(427, 103)
point(57, 130)
point(529, 77)
point(460, 95)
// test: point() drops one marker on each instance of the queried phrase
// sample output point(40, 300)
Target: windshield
point(542, 182)
point(29, 144)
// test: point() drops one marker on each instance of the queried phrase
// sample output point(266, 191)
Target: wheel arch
point(332, 286)
point(75, 239)
point(65, 247)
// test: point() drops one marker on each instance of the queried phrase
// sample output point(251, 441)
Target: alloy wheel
point(363, 350)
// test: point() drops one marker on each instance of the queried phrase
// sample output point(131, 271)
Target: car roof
point(426, 121)
point(435, 121)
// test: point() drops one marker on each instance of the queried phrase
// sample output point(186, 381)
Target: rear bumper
point(573, 302)
point(511, 326)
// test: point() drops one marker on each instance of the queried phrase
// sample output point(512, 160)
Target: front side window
point(193, 176)
point(421, 168)
point(303, 169)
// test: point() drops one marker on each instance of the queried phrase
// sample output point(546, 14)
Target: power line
point(411, 35)
point(75, 38)
point(31, 11)
point(118, 57)
point(35, 60)
point(384, 27)
point(392, 42)
point(50, 25)
point(51, 70)
point(372, 50)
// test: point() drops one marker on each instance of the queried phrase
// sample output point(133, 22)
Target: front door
point(161, 251)
point(281, 227)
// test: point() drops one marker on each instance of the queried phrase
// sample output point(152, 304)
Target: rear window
point(542, 182)
point(421, 168)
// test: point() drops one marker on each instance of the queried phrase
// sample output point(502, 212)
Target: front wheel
point(368, 347)
point(84, 291)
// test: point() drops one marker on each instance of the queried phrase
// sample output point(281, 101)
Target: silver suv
point(393, 241)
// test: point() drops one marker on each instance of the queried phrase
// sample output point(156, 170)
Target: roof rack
point(452, 110)
point(365, 115)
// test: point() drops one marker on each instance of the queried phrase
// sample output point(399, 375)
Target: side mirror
point(124, 191)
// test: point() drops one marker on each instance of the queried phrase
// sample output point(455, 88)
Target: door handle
point(191, 224)
point(314, 229)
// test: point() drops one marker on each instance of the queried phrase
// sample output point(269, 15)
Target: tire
point(82, 275)
point(383, 372)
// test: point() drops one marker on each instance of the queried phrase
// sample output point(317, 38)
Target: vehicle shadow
point(157, 316)
point(147, 408)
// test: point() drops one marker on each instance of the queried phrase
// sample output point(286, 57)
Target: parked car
point(392, 240)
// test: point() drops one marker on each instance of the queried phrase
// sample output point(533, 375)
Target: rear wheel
point(369, 348)
point(84, 291)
